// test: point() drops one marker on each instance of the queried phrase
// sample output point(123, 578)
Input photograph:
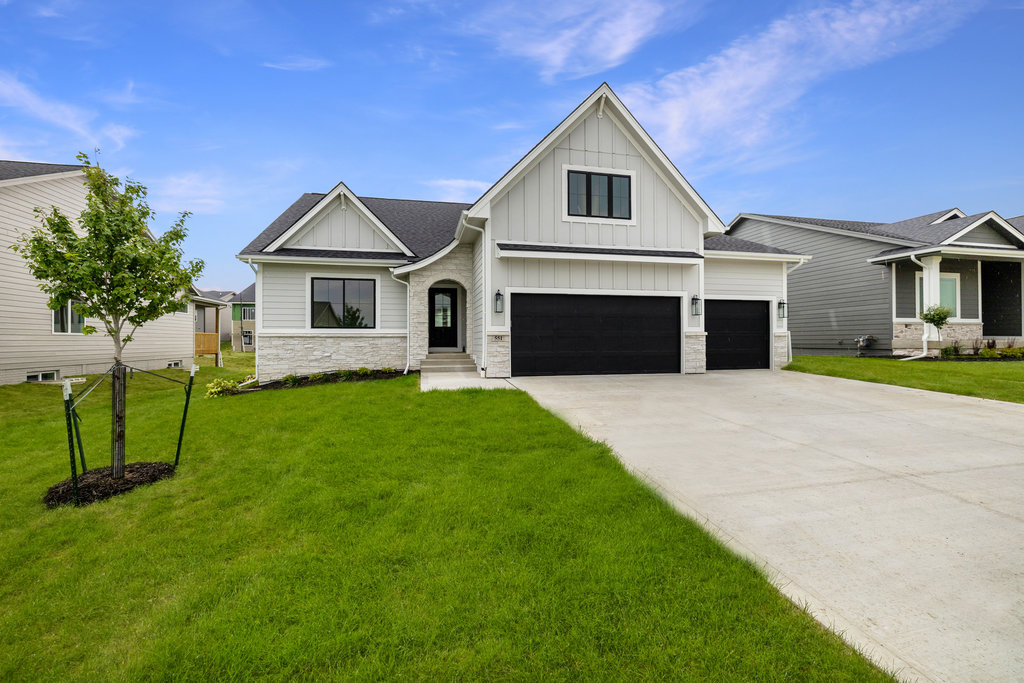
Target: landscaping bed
point(97, 484)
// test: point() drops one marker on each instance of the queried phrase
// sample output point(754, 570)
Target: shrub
point(949, 352)
point(316, 377)
point(936, 315)
point(388, 371)
point(988, 352)
point(1011, 343)
point(1012, 352)
point(364, 372)
point(990, 343)
point(291, 380)
point(346, 375)
point(976, 345)
point(221, 387)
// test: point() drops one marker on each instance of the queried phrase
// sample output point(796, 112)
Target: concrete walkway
point(896, 516)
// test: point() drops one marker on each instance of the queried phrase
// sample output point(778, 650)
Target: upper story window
point(343, 303)
point(66, 320)
point(600, 195)
point(248, 312)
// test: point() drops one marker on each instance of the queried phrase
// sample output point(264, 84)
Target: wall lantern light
point(783, 310)
point(499, 302)
point(695, 306)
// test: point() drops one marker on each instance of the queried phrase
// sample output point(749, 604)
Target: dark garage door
point(571, 334)
point(737, 334)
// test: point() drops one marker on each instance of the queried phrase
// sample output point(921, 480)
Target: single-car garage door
point(572, 334)
point(738, 335)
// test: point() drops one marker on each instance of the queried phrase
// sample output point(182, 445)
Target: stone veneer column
point(695, 353)
point(499, 355)
point(456, 266)
point(780, 350)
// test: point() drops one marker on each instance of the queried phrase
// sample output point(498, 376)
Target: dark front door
point(1000, 299)
point(444, 329)
point(572, 334)
point(737, 334)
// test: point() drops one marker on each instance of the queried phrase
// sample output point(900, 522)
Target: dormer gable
point(990, 230)
point(339, 221)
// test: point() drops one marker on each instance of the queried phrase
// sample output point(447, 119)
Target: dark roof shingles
point(246, 296)
point(730, 243)
point(10, 170)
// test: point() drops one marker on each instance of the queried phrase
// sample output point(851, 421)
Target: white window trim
point(566, 217)
point(919, 277)
point(251, 334)
point(343, 276)
point(85, 321)
point(248, 307)
point(38, 375)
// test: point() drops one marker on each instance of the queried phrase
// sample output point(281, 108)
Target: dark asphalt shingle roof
point(1017, 222)
point(9, 170)
point(422, 226)
point(246, 296)
point(561, 249)
point(730, 243)
point(215, 293)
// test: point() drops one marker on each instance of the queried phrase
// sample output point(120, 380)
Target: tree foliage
point(937, 316)
point(110, 264)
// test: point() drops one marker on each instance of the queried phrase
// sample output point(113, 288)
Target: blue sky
point(864, 109)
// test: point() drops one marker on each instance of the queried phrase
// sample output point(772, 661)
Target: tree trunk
point(119, 377)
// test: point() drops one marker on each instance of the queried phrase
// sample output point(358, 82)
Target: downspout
point(256, 353)
point(408, 322)
point(924, 336)
point(789, 335)
point(483, 332)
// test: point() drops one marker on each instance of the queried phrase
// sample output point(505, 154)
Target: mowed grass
point(369, 531)
point(1003, 381)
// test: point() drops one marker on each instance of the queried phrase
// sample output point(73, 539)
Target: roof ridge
point(399, 199)
point(812, 218)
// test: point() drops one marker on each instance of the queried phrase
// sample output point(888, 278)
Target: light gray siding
point(533, 208)
point(835, 297)
point(341, 227)
point(479, 298)
point(285, 294)
point(985, 233)
point(27, 341)
point(906, 287)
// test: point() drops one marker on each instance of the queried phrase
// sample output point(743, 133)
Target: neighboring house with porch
point(876, 278)
point(218, 295)
point(591, 255)
point(37, 343)
point(243, 319)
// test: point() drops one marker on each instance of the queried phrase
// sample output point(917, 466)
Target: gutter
point(408, 321)
point(463, 223)
point(789, 335)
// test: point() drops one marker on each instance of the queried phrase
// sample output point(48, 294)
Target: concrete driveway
point(896, 516)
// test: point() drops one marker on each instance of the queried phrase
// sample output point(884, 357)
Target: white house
point(591, 255)
point(37, 343)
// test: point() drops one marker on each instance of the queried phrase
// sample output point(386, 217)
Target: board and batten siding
point(285, 300)
point(835, 297)
point(906, 287)
point(341, 227)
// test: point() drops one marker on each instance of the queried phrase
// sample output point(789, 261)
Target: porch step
point(447, 362)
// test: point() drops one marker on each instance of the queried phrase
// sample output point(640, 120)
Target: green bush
point(388, 371)
point(988, 353)
point(936, 315)
point(1012, 352)
point(221, 387)
point(346, 375)
point(949, 352)
point(364, 372)
point(316, 377)
point(291, 380)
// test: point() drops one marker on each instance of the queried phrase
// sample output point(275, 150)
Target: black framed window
point(601, 195)
point(343, 303)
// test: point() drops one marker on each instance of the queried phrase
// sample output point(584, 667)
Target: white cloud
point(299, 64)
point(576, 39)
point(194, 191)
point(453, 190)
point(125, 97)
point(118, 135)
point(733, 102)
point(17, 95)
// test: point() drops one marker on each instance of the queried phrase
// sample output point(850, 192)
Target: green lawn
point(369, 531)
point(999, 380)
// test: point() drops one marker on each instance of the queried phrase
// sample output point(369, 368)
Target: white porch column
point(930, 288)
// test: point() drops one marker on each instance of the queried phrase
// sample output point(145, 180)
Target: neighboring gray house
point(209, 322)
point(243, 319)
point(591, 255)
point(37, 343)
point(875, 278)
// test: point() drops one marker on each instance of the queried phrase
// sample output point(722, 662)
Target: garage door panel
point(567, 334)
point(738, 334)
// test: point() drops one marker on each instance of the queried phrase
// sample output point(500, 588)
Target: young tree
point(111, 269)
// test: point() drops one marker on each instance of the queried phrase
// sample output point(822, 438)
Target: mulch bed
point(97, 484)
point(328, 378)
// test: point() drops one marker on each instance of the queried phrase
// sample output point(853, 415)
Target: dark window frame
point(312, 302)
point(589, 211)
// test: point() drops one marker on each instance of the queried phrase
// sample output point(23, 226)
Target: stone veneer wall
point(499, 355)
point(695, 353)
point(308, 353)
point(906, 337)
point(455, 266)
point(780, 350)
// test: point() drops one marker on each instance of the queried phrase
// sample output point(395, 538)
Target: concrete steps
point(447, 362)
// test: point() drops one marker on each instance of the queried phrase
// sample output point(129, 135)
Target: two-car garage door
point(572, 334)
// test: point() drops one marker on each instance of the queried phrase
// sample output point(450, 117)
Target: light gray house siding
point(985, 234)
point(835, 297)
point(27, 341)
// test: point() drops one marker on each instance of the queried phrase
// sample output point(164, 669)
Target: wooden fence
point(207, 342)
